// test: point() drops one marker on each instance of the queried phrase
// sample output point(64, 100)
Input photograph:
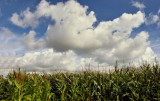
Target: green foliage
point(20, 86)
point(127, 84)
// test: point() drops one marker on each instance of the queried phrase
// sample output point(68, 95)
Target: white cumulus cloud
point(74, 30)
point(75, 40)
point(48, 59)
point(151, 19)
point(138, 5)
point(31, 43)
point(29, 19)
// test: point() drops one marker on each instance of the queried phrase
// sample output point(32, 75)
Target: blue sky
point(27, 27)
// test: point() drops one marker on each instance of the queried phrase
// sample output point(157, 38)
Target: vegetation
point(127, 84)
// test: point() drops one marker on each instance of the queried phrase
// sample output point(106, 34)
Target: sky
point(69, 35)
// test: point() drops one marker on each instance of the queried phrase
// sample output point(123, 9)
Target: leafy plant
point(126, 84)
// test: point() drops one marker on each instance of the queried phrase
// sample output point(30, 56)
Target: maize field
point(127, 84)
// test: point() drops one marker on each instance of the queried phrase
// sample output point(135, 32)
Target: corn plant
point(123, 84)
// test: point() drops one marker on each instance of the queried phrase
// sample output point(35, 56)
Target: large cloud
point(75, 39)
point(49, 60)
point(108, 41)
point(106, 34)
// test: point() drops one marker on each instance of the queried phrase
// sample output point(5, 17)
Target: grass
point(136, 84)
